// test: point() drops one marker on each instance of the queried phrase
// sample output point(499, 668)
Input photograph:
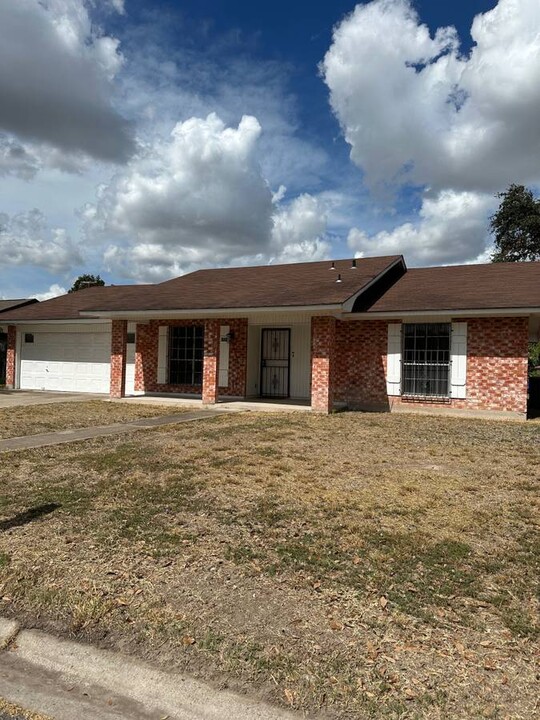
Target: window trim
point(197, 356)
point(419, 396)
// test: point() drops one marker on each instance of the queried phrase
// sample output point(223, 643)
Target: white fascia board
point(490, 312)
point(349, 304)
point(210, 312)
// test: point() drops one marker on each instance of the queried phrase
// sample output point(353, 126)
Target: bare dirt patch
point(35, 419)
point(370, 566)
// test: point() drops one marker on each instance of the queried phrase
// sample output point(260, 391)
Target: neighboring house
point(366, 334)
point(6, 305)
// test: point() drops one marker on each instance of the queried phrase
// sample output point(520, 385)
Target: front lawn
point(363, 565)
point(35, 419)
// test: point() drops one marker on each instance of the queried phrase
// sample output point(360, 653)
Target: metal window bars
point(425, 369)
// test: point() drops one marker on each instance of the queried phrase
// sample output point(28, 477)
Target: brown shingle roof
point(464, 287)
point(65, 307)
point(246, 287)
point(12, 304)
point(252, 287)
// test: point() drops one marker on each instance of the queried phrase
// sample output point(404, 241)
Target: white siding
point(458, 375)
point(253, 360)
point(300, 361)
point(300, 367)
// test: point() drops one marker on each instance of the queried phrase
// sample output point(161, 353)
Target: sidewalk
point(66, 680)
point(66, 436)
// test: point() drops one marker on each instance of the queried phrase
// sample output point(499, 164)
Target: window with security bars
point(186, 350)
point(425, 366)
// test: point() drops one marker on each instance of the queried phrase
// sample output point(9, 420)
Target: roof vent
point(333, 265)
point(339, 278)
point(353, 264)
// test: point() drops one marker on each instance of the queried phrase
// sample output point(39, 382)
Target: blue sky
point(142, 140)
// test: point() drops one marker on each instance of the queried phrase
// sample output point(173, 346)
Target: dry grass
point(374, 566)
point(9, 710)
point(35, 419)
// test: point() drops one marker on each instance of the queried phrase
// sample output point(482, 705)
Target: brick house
point(365, 334)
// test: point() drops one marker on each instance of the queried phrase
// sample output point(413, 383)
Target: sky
point(143, 140)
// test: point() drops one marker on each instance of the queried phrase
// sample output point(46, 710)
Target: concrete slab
point(66, 679)
point(25, 398)
point(60, 437)
point(225, 404)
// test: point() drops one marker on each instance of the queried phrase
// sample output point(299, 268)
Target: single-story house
point(365, 334)
point(6, 305)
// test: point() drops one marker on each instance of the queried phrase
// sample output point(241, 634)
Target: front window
point(186, 346)
point(426, 359)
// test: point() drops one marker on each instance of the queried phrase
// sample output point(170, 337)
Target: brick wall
point(146, 358)
point(323, 357)
point(496, 366)
point(10, 359)
point(118, 358)
point(211, 361)
point(360, 378)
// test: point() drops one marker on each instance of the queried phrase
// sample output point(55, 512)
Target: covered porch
point(273, 360)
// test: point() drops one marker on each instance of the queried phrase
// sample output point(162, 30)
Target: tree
point(516, 226)
point(85, 281)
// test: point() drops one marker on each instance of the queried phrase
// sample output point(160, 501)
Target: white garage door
point(66, 361)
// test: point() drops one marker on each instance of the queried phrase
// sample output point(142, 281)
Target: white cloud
point(26, 239)
point(55, 290)
point(55, 80)
point(299, 231)
point(414, 110)
point(200, 199)
point(451, 228)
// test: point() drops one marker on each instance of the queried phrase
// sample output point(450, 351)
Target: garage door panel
point(69, 362)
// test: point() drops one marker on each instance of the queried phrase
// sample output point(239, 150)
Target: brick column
point(118, 358)
point(323, 350)
point(210, 362)
point(11, 356)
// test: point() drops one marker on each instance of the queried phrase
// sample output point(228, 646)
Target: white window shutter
point(458, 351)
point(223, 356)
point(393, 360)
point(163, 354)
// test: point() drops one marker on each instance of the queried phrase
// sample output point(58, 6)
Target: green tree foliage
point(534, 358)
point(85, 281)
point(516, 226)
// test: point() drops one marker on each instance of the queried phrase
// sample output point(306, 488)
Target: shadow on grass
point(28, 516)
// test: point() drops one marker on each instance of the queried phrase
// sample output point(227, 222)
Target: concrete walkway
point(25, 398)
point(66, 680)
point(59, 437)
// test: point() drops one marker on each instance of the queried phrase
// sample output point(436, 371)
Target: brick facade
point(496, 366)
point(146, 357)
point(118, 358)
point(323, 360)
point(211, 362)
point(10, 359)
point(360, 379)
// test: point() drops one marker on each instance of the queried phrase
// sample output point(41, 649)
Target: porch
point(275, 362)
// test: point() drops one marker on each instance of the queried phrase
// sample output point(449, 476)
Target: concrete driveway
point(21, 398)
